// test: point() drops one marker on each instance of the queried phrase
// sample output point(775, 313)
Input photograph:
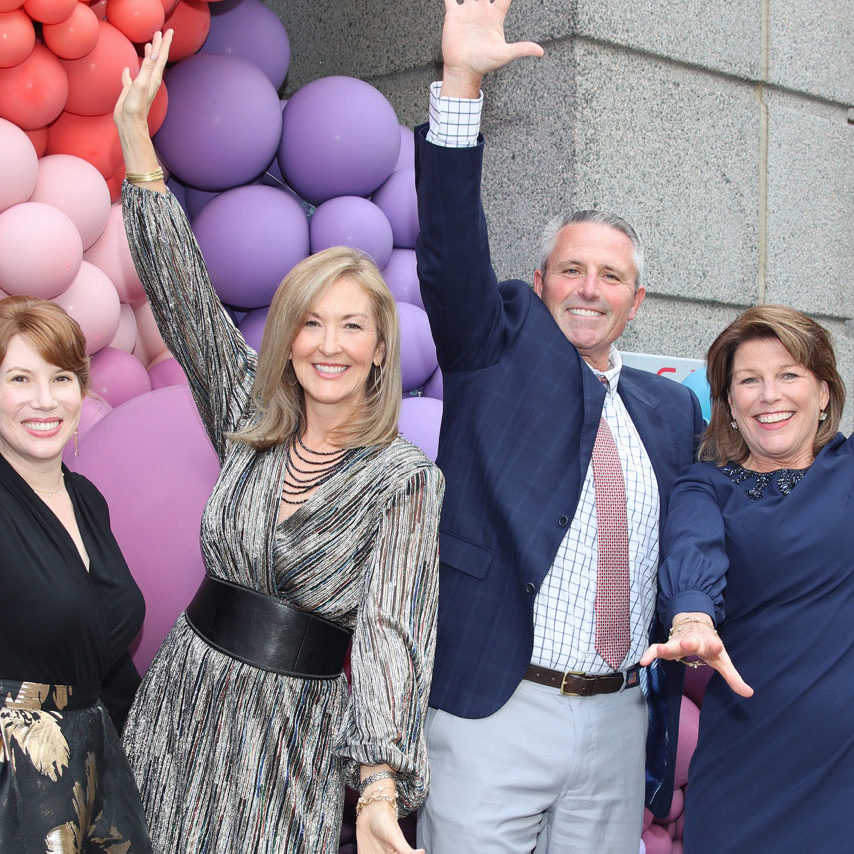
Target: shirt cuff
point(454, 122)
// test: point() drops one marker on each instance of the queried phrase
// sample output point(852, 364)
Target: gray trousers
point(545, 774)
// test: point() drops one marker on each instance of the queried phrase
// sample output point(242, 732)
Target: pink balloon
point(420, 418)
point(434, 386)
point(149, 344)
point(396, 199)
point(111, 253)
point(78, 189)
point(93, 302)
point(689, 726)
point(678, 847)
point(117, 376)
point(677, 806)
point(648, 818)
point(417, 350)
point(40, 250)
point(125, 337)
point(657, 840)
point(166, 372)
point(696, 679)
point(401, 277)
point(19, 165)
point(156, 482)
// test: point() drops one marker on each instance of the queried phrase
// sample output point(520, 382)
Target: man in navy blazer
point(534, 740)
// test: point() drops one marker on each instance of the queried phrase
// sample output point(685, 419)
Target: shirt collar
point(612, 374)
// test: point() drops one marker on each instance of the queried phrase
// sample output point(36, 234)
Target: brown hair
point(55, 334)
point(809, 345)
point(276, 394)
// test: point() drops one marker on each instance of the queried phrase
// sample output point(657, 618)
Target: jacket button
point(563, 521)
point(530, 587)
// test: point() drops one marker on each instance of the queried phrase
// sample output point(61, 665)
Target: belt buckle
point(578, 673)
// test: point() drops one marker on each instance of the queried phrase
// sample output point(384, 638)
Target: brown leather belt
point(576, 684)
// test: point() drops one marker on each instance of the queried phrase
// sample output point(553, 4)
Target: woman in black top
point(68, 611)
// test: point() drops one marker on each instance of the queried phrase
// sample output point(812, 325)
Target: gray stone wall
point(720, 128)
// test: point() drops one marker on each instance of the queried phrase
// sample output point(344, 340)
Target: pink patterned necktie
point(612, 576)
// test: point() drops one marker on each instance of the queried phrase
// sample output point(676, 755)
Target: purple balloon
point(92, 411)
point(396, 199)
point(250, 30)
point(179, 190)
point(340, 137)
point(401, 275)
point(406, 158)
point(196, 199)
point(417, 350)
point(152, 460)
point(117, 376)
point(420, 419)
point(434, 387)
point(252, 326)
point(251, 237)
point(224, 121)
point(167, 372)
point(352, 221)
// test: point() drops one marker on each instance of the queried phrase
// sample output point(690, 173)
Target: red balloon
point(139, 20)
point(95, 81)
point(9, 5)
point(168, 6)
point(157, 113)
point(99, 7)
point(33, 93)
point(17, 38)
point(114, 183)
point(74, 37)
point(191, 21)
point(38, 138)
point(49, 11)
point(94, 138)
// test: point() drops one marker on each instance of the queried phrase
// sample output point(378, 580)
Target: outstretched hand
point(699, 640)
point(473, 44)
point(138, 92)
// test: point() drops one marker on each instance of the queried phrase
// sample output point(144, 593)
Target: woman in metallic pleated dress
point(322, 527)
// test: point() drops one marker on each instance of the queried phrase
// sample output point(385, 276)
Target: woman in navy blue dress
point(759, 567)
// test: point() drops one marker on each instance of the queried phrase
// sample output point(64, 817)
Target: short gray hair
point(548, 239)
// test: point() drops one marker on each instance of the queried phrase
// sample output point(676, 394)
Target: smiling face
point(589, 287)
point(335, 348)
point(776, 403)
point(39, 407)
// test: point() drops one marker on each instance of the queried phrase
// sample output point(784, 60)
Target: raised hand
point(694, 638)
point(473, 44)
point(138, 92)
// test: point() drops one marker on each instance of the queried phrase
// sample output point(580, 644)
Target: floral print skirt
point(65, 785)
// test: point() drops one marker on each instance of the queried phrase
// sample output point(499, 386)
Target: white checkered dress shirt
point(564, 618)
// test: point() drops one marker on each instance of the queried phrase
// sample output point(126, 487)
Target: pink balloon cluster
point(664, 836)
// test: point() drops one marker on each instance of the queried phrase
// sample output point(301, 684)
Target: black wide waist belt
point(580, 684)
point(266, 632)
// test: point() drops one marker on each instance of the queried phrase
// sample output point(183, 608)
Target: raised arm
point(193, 323)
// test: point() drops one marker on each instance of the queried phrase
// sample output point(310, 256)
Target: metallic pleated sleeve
point(195, 327)
point(394, 642)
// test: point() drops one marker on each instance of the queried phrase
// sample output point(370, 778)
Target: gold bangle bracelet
point(144, 177)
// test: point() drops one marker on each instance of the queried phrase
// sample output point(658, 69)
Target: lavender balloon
point(167, 372)
point(417, 350)
point(252, 326)
point(434, 387)
point(340, 137)
point(250, 30)
point(406, 157)
point(352, 221)
point(396, 199)
point(420, 419)
point(401, 275)
point(251, 237)
point(224, 121)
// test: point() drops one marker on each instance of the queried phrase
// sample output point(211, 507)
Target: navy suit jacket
point(521, 411)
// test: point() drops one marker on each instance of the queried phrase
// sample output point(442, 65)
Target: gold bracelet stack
point(694, 662)
point(381, 795)
point(144, 177)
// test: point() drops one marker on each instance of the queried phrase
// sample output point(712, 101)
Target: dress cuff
point(454, 122)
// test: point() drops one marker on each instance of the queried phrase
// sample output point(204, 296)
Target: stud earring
point(822, 416)
point(733, 425)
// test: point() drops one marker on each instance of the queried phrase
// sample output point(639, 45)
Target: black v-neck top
point(58, 622)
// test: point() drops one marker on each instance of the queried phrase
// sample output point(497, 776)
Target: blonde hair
point(54, 334)
point(809, 345)
point(278, 398)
